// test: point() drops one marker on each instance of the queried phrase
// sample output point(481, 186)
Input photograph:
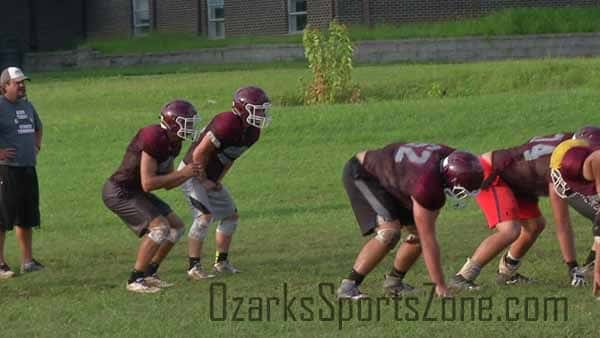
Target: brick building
point(31, 25)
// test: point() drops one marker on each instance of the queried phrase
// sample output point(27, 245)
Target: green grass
point(296, 227)
point(515, 21)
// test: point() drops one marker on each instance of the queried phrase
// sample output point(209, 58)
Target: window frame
point(212, 21)
point(141, 28)
point(292, 16)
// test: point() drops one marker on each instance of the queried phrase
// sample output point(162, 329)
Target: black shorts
point(137, 209)
point(370, 200)
point(19, 197)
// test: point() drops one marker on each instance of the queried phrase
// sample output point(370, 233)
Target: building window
point(141, 16)
point(296, 15)
point(216, 19)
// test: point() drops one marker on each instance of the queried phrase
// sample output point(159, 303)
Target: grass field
point(297, 230)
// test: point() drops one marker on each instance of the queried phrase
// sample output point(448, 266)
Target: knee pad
point(199, 229)
point(175, 234)
point(388, 237)
point(159, 233)
point(228, 225)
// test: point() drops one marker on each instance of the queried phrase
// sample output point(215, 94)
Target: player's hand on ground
point(7, 153)
point(442, 291)
point(577, 277)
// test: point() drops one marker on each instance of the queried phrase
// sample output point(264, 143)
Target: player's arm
point(203, 151)
point(564, 229)
point(152, 181)
point(425, 222)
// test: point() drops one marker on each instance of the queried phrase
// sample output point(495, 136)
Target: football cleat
point(155, 281)
point(6, 272)
point(349, 290)
point(197, 273)
point(31, 266)
point(140, 286)
point(458, 283)
point(225, 267)
point(394, 286)
point(514, 279)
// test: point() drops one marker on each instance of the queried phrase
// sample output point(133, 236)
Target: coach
point(20, 142)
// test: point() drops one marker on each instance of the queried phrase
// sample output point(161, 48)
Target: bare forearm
point(168, 181)
point(431, 255)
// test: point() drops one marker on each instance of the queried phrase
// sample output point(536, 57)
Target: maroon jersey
point(410, 169)
point(231, 138)
point(526, 168)
point(155, 142)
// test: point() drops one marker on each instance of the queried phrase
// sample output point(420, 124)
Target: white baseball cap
point(12, 73)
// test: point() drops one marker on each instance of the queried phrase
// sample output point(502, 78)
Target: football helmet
point(463, 176)
point(251, 104)
point(591, 134)
point(566, 165)
point(180, 117)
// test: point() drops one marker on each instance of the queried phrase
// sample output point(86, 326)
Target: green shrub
point(330, 61)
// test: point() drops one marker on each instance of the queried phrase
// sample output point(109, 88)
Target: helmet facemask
point(257, 115)
point(459, 195)
point(560, 185)
point(188, 127)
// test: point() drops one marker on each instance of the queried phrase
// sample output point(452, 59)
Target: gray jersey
point(18, 123)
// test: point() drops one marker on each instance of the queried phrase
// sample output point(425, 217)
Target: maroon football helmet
point(252, 104)
point(180, 117)
point(570, 173)
point(463, 174)
point(591, 134)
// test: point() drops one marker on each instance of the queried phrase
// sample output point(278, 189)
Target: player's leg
point(532, 225)
point(157, 233)
point(223, 209)
point(500, 207)
point(373, 208)
point(224, 236)
point(197, 198)
point(406, 256)
point(175, 233)
point(142, 216)
point(505, 233)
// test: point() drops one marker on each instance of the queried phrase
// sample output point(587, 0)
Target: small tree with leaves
point(330, 61)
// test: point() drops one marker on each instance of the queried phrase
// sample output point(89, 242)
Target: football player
point(404, 186)
point(147, 166)
point(514, 180)
point(228, 135)
point(575, 167)
point(564, 231)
